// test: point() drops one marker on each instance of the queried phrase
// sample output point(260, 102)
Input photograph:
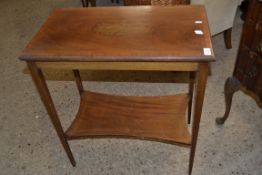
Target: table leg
point(85, 3)
point(78, 81)
point(227, 38)
point(42, 88)
point(191, 90)
point(93, 3)
point(231, 86)
point(199, 99)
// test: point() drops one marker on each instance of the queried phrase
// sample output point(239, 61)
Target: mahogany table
point(125, 38)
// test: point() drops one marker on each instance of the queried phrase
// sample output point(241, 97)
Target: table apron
point(142, 66)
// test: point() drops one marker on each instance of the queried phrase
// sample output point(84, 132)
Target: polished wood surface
point(159, 118)
point(143, 33)
point(143, 66)
point(156, 2)
point(125, 38)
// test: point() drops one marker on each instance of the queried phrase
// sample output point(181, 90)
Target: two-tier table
point(125, 38)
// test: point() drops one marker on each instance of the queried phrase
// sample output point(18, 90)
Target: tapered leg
point(42, 88)
point(227, 38)
point(209, 69)
point(93, 3)
point(199, 99)
point(191, 90)
point(78, 81)
point(85, 3)
point(231, 86)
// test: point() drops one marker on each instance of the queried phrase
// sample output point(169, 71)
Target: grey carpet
point(30, 146)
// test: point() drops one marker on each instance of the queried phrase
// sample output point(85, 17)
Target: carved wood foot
point(232, 85)
point(227, 38)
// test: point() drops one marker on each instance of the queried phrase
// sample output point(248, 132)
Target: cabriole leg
point(231, 86)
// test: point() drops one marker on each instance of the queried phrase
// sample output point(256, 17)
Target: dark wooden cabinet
point(248, 68)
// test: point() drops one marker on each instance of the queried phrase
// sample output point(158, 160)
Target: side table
point(125, 38)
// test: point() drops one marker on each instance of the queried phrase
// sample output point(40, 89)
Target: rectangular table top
point(134, 33)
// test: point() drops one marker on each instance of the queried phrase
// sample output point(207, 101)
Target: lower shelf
point(161, 118)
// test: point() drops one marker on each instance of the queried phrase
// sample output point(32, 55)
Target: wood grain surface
point(160, 118)
point(143, 33)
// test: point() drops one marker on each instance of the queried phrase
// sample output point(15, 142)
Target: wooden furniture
point(156, 2)
point(248, 68)
point(125, 38)
point(86, 3)
point(217, 10)
point(243, 8)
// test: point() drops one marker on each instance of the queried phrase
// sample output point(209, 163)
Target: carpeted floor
point(29, 145)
